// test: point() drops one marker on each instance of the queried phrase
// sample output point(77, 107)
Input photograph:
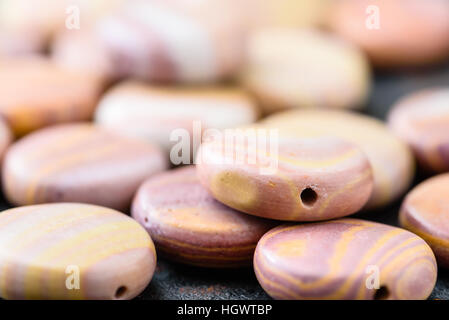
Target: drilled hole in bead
point(120, 292)
point(309, 197)
point(382, 293)
point(145, 219)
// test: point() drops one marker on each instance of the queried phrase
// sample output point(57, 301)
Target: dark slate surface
point(175, 281)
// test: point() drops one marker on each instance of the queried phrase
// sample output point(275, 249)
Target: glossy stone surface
point(290, 68)
point(304, 180)
point(46, 249)
point(188, 225)
point(425, 211)
point(154, 112)
point(35, 93)
point(409, 33)
point(391, 159)
point(78, 163)
point(422, 120)
point(340, 259)
point(170, 41)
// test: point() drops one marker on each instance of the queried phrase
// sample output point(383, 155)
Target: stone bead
point(309, 179)
point(170, 41)
point(73, 251)
point(391, 159)
point(425, 212)
point(290, 68)
point(410, 32)
point(286, 13)
point(422, 120)
point(154, 112)
point(188, 225)
point(342, 259)
point(35, 93)
point(78, 163)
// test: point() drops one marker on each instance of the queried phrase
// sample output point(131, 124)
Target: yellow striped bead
point(73, 251)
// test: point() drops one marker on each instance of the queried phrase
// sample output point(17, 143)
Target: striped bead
point(344, 259)
point(188, 225)
point(290, 68)
point(391, 159)
point(73, 251)
point(422, 120)
point(425, 212)
point(154, 112)
point(35, 93)
point(383, 30)
point(304, 180)
point(162, 40)
point(78, 163)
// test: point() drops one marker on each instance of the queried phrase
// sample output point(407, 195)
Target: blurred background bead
point(425, 212)
point(286, 13)
point(154, 112)
point(289, 68)
point(41, 20)
point(340, 259)
point(35, 93)
point(188, 225)
point(422, 120)
point(73, 251)
point(409, 32)
point(304, 180)
point(160, 40)
point(391, 159)
point(78, 163)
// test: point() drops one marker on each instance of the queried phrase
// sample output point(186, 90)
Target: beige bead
point(155, 113)
point(289, 68)
point(73, 251)
point(390, 158)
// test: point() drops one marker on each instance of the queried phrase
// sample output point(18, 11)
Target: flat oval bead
point(290, 68)
point(78, 163)
point(46, 251)
point(34, 93)
point(171, 41)
point(313, 179)
point(422, 120)
point(154, 112)
point(391, 159)
point(340, 259)
point(389, 43)
point(425, 212)
point(286, 13)
point(188, 225)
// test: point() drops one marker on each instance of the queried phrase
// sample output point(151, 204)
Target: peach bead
point(422, 120)
point(409, 32)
